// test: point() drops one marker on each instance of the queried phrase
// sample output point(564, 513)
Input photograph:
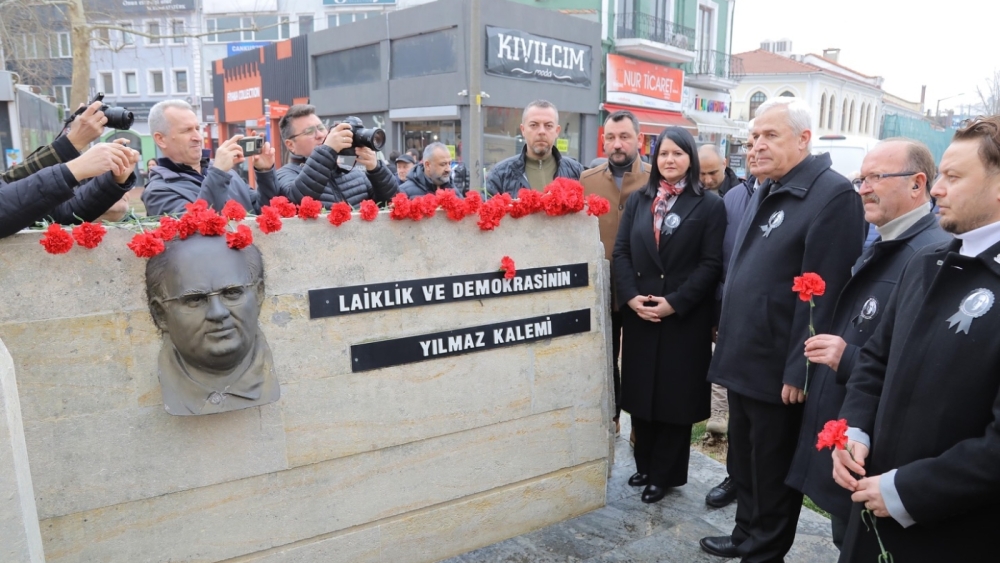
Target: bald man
point(715, 175)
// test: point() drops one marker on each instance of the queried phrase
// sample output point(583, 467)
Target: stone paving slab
point(629, 531)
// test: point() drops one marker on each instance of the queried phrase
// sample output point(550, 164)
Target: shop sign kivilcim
point(639, 83)
point(516, 54)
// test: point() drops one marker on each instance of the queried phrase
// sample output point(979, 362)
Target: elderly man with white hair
point(805, 217)
point(181, 177)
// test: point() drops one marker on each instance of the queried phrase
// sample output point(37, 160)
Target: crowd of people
point(704, 320)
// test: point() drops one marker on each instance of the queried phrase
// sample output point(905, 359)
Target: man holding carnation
point(923, 400)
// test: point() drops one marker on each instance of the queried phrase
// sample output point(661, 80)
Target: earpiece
point(916, 187)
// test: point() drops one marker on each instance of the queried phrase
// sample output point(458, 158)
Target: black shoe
point(652, 494)
point(638, 480)
point(721, 546)
point(722, 494)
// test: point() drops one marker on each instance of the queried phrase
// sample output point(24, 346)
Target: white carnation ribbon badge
point(975, 305)
point(777, 218)
point(670, 222)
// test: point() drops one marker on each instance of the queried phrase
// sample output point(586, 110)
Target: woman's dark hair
point(686, 142)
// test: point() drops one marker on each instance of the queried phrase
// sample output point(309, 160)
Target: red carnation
point(833, 435)
point(369, 210)
point(597, 205)
point(507, 264)
point(56, 240)
point(211, 224)
point(452, 204)
point(473, 201)
point(563, 196)
point(89, 235)
point(493, 211)
point(340, 213)
point(284, 207)
point(242, 238)
point(234, 211)
point(188, 225)
point(309, 208)
point(423, 206)
point(269, 220)
point(809, 285)
point(168, 228)
point(528, 201)
point(146, 245)
point(400, 207)
point(196, 206)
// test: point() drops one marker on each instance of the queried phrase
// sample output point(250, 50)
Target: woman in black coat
point(667, 265)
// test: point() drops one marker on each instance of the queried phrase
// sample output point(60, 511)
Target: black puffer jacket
point(49, 194)
point(508, 176)
point(417, 184)
point(321, 178)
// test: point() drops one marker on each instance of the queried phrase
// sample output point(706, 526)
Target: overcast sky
point(950, 46)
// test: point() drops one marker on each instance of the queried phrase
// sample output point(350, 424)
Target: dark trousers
point(662, 451)
point(762, 440)
point(616, 349)
point(838, 527)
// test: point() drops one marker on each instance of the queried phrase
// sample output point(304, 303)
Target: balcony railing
point(717, 64)
point(637, 25)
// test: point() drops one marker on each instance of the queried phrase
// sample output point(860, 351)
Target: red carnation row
point(57, 241)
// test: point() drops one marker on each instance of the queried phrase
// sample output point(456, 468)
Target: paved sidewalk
point(628, 531)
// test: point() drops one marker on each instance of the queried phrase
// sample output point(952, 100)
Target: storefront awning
point(713, 123)
point(652, 121)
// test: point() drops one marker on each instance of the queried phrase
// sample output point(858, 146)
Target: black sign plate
point(399, 351)
point(338, 301)
point(512, 53)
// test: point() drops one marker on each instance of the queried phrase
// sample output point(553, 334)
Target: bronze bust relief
point(205, 298)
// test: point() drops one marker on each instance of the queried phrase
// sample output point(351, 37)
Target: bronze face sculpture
point(205, 298)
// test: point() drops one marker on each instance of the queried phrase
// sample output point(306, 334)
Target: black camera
point(251, 146)
point(373, 139)
point(118, 118)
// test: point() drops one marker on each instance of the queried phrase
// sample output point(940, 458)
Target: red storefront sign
point(639, 83)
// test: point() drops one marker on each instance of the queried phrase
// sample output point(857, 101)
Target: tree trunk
point(80, 37)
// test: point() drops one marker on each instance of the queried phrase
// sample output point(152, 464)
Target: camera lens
point(378, 139)
point(118, 118)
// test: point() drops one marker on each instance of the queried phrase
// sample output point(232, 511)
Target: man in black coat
point(540, 161)
point(895, 189)
point(313, 169)
point(925, 394)
point(804, 218)
point(432, 174)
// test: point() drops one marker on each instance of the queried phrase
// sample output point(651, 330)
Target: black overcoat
point(664, 364)
point(813, 221)
point(928, 395)
point(858, 313)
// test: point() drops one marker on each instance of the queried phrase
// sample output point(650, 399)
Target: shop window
point(425, 54)
point(419, 134)
point(359, 65)
point(755, 101)
point(502, 134)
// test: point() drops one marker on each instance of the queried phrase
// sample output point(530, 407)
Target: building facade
point(844, 101)
point(412, 73)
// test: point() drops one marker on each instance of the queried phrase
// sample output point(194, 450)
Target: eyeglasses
point(873, 179)
point(232, 296)
point(310, 131)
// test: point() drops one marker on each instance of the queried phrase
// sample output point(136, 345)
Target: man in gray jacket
point(313, 169)
point(180, 177)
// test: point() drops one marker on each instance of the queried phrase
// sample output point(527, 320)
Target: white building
point(844, 101)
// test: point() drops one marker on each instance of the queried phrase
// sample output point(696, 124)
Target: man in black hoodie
point(432, 174)
point(804, 218)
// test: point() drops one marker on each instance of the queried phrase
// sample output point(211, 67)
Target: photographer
point(109, 169)
point(85, 129)
point(181, 177)
point(314, 171)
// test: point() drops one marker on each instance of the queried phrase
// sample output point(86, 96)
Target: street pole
point(474, 145)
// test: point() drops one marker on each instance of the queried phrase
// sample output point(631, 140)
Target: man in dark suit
point(923, 402)
point(894, 186)
point(804, 218)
